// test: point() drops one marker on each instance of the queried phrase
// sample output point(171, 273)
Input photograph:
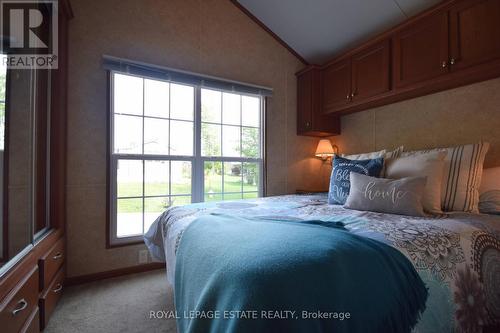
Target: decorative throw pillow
point(489, 191)
point(490, 180)
point(428, 165)
point(463, 168)
point(339, 180)
point(489, 202)
point(394, 196)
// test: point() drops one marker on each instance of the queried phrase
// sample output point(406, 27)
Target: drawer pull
point(58, 288)
point(21, 305)
point(57, 256)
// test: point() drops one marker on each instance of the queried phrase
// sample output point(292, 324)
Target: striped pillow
point(463, 168)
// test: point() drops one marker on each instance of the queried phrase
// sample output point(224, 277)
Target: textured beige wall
point(458, 116)
point(207, 36)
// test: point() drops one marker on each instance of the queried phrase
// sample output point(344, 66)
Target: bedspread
point(457, 255)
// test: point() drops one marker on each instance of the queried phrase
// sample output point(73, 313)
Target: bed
point(456, 256)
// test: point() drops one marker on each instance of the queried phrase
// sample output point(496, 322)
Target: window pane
point(156, 98)
point(181, 138)
point(210, 106)
point(250, 142)
point(182, 101)
point(129, 178)
point(156, 178)
point(128, 134)
point(213, 177)
point(250, 195)
point(127, 94)
point(153, 207)
point(232, 177)
point(155, 136)
point(180, 201)
point(213, 197)
point(180, 177)
point(210, 140)
point(129, 217)
point(250, 177)
point(250, 110)
point(231, 109)
point(230, 141)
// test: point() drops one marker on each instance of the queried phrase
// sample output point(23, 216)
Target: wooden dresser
point(30, 289)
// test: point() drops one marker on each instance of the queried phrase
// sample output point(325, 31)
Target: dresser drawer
point(49, 298)
point(32, 325)
point(16, 308)
point(50, 263)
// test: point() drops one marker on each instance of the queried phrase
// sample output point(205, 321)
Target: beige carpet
point(115, 305)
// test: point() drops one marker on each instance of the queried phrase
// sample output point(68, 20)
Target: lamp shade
point(324, 149)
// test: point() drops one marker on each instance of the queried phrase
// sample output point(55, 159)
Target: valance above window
point(180, 76)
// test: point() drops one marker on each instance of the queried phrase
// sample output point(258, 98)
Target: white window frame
point(197, 160)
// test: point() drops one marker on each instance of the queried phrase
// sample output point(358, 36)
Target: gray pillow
point(395, 196)
point(489, 202)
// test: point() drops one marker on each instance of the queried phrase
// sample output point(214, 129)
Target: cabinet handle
point(57, 256)
point(444, 64)
point(353, 94)
point(348, 97)
point(21, 305)
point(452, 61)
point(308, 124)
point(58, 288)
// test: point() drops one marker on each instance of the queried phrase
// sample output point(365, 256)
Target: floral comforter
point(456, 255)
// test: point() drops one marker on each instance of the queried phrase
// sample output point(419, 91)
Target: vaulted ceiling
point(319, 29)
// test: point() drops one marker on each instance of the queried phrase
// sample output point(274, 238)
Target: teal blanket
point(242, 275)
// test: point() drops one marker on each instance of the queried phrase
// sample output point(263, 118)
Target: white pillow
point(463, 168)
point(428, 165)
point(376, 154)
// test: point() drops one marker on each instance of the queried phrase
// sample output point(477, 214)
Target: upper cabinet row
point(456, 43)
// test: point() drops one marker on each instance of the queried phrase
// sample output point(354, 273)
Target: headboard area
point(463, 115)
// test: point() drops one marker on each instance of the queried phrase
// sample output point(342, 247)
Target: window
point(173, 144)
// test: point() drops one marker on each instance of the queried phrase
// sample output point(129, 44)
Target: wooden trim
point(108, 160)
point(264, 147)
point(65, 5)
point(269, 31)
point(5, 198)
point(71, 281)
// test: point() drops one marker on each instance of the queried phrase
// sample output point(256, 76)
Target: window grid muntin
point(197, 160)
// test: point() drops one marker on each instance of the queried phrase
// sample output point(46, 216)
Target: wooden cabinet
point(474, 32)
point(49, 298)
point(50, 263)
point(421, 51)
point(371, 72)
point(16, 308)
point(34, 282)
point(310, 118)
point(336, 82)
point(356, 78)
point(455, 43)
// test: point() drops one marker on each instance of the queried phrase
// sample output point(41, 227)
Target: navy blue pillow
point(342, 167)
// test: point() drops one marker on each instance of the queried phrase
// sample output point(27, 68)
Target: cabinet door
point(421, 51)
point(304, 102)
point(475, 32)
point(336, 85)
point(370, 72)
